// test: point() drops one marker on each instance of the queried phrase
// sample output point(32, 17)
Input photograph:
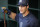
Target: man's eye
point(22, 6)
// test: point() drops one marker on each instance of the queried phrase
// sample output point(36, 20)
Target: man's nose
point(21, 7)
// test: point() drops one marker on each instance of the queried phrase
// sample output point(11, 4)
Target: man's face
point(23, 9)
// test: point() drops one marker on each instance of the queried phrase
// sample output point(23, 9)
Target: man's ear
point(28, 6)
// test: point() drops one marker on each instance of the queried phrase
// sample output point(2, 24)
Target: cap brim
point(21, 4)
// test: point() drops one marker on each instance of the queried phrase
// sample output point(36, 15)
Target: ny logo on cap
point(20, 0)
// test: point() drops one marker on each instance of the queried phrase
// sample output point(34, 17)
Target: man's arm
point(12, 15)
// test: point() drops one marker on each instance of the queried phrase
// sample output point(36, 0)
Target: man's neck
point(26, 13)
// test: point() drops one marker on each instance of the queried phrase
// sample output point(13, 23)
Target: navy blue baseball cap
point(23, 2)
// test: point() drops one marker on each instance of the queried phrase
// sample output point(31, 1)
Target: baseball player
point(25, 18)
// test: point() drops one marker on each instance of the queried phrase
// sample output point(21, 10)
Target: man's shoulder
point(32, 18)
point(31, 15)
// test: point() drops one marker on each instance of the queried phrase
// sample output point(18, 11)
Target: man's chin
point(21, 12)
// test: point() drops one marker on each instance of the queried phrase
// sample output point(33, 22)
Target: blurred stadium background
point(34, 7)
